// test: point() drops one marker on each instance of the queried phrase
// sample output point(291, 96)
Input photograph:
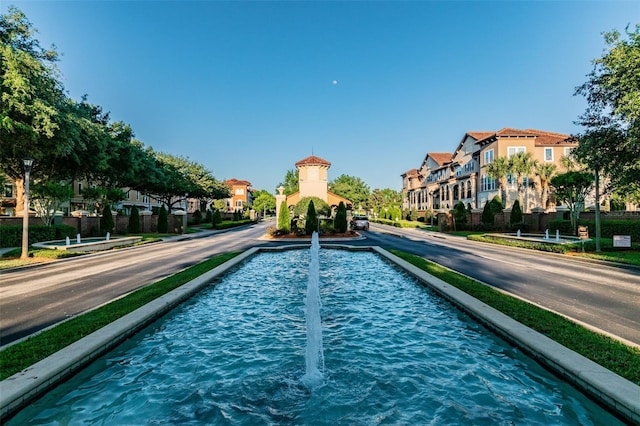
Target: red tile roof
point(232, 182)
point(542, 137)
point(313, 160)
point(411, 173)
point(440, 157)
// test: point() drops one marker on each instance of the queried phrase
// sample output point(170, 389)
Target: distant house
point(445, 179)
point(241, 195)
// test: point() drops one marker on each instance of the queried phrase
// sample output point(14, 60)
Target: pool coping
point(611, 390)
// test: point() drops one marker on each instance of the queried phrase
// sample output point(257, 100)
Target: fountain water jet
point(314, 357)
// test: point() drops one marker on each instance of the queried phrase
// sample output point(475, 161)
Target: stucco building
point(444, 179)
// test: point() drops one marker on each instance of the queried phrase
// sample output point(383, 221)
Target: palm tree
point(498, 170)
point(522, 165)
point(545, 172)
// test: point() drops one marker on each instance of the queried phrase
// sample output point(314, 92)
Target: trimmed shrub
point(311, 219)
point(163, 221)
point(106, 221)
point(197, 217)
point(340, 221)
point(490, 210)
point(134, 221)
point(284, 219)
point(216, 218)
point(608, 228)
point(515, 218)
point(460, 216)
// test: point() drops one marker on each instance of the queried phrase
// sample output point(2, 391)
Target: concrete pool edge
point(611, 390)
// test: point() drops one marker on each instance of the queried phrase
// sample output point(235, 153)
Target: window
point(488, 156)
point(513, 150)
point(8, 191)
point(567, 151)
point(488, 184)
point(239, 203)
point(548, 154)
point(79, 187)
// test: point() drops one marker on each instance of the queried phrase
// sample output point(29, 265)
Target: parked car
point(360, 222)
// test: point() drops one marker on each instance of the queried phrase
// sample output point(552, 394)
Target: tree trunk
point(19, 196)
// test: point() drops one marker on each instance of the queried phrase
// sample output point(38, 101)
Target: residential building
point(241, 195)
point(443, 179)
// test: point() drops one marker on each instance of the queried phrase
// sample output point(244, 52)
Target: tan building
point(312, 182)
point(241, 194)
point(444, 179)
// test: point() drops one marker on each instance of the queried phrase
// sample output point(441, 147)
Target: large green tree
point(610, 143)
point(47, 197)
point(572, 188)
point(291, 182)
point(264, 201)
point(353, 189)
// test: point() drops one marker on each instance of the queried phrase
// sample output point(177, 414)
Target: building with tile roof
point(313, 181)
point(445, 179)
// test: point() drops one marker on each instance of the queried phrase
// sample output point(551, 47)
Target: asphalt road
point(601, 296)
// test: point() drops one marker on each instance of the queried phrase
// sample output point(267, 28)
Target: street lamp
point(25, 213)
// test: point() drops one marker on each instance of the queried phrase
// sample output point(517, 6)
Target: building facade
point(443, 180)
point(241, 195)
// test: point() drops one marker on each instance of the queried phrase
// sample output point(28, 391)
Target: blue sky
point(249, 88)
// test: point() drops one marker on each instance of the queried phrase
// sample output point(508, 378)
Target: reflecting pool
point(394, 353)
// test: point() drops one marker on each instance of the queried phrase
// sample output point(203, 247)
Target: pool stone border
point(617, 394)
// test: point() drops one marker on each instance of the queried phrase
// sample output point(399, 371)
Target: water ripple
point(394, 353)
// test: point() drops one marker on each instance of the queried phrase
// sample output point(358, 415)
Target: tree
point(106, 221)
point(47, 198)
point(353, 189)
point(320, 206)
point(460, 216)
point(611, 141)
point(163, 221)
point(340, 221)
point(545, 172)
point(291, 182)
point(572, 188)
point(284, 219)
point(521, 165)
point(134, 221)
point(216, 217)
point(498, 170)
point(515, 217)
point(310, 219)
point(264, 201)
point(490, 210)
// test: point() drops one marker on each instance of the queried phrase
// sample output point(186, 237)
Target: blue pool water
point(394, 353)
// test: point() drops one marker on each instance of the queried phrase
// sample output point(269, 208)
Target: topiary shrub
point(134, 221)
point(340, 221)
point(216, 218)
point(197, 217)
point(460, 216)
point(284, 219)
point(106, 221)
point(163, 221)
point(311, 219)
point(489, 212)
point(515, 217)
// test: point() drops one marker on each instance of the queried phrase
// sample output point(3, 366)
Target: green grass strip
point(17, 357)
point(613, 355)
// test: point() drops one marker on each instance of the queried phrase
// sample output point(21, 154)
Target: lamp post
point(25, 213)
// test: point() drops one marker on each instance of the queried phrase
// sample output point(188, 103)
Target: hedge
point(608, 228)
point(11, 236)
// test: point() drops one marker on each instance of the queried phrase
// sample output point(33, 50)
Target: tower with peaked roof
point(313, 181)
